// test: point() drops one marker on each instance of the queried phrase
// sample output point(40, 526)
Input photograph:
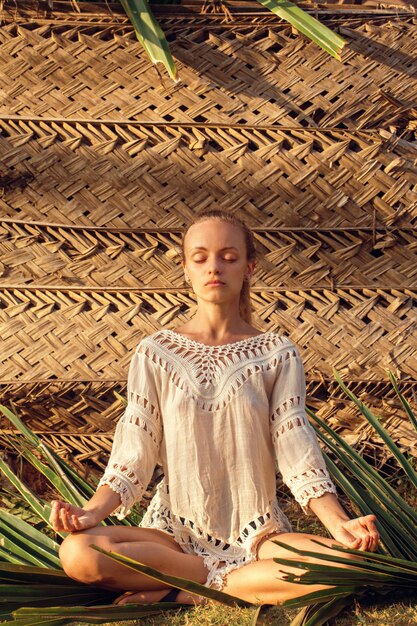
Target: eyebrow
point(221, 250)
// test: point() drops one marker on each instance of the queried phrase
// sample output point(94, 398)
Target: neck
point(217, 323)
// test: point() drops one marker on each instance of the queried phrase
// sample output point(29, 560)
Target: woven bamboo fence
point(103, 161)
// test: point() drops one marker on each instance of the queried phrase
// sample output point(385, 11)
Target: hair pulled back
point(245, 307)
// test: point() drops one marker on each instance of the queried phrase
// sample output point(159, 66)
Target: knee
point(79, 561)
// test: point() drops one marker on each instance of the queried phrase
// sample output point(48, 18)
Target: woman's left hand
point(359, 533)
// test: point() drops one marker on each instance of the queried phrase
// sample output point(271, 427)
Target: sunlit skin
point(214, 250)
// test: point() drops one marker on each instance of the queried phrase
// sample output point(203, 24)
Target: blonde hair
point(245, 307)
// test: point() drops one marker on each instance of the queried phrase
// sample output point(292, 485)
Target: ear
point(250, 268)
point(186, 278)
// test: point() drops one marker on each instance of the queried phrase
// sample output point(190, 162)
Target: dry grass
point(399, 614)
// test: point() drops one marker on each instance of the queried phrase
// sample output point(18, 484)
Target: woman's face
point(216, 251)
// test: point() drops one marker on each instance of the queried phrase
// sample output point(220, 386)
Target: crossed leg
point(259, 582)
point(153, 547)
point(262, 581)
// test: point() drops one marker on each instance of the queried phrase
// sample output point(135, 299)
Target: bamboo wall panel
point(91, 407)
point(74, 334)
point(44, 255)
point(102, 162)
point(252, 73)
point(77, 174)
point(77, 418)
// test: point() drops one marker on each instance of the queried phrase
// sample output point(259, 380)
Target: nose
point(214, 267)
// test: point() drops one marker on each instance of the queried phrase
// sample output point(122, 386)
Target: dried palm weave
point(102, 162)
point(42, 254)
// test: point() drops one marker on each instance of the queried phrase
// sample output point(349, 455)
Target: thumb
point(347, 539)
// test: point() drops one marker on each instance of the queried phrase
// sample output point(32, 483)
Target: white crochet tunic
point(216, 418)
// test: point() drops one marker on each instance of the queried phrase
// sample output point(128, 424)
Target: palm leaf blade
point(42, 510)
point(58, 474)
point(320, 613)
point(403, 401)
point(99, 614)
point(175, 581)
point(373, 420)
point(304, 22)
point(149, 33)
point(360, 467)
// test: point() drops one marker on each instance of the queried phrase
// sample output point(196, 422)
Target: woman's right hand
point(70, 518)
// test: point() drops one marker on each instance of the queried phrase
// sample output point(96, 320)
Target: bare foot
point(146, 597)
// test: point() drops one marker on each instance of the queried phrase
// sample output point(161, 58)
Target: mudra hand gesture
point(70, 518)
point(359, 533)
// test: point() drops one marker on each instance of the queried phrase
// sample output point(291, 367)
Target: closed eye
point(224, 259)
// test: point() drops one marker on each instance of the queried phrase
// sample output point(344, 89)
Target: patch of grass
point(398, 614)
point(214, 615)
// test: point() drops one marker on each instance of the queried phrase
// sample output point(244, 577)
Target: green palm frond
point(30, 586)
point(377, 426)
point(22, 543)
point(149, 33)
point(67, 482)
point(33, 585)
point(92, 615)
point(302, 21)
point(393, 573)
point(152, 38)
point(403, 401)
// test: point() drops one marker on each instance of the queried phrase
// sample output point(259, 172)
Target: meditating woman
point(217, 403)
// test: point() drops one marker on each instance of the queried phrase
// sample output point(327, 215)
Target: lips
point(215, 282)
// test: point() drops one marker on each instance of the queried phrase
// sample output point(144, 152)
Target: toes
point(124, 598)
point(139, 597)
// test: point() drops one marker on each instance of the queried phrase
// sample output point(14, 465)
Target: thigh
point(267, 549)
point(264, 581)
point(107, 536)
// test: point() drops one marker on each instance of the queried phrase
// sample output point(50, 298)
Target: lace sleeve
point(137, 436)
point(298, 453)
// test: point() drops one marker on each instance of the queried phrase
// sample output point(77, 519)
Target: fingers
point(365, 532)
point(374, 542)
point(54, 516)
point(368, 522)
point(355, 544)
point(65, 519)
point(62, 519)
point(76, 522)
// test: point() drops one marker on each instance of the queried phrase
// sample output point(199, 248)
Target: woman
point(216, 402)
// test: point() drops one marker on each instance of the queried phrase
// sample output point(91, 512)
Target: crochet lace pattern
point(211, 377)
point(219, 557)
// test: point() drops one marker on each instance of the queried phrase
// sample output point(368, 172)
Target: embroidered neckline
point(180, 336)
point(212, 375)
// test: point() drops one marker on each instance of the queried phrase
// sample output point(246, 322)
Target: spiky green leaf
point(302, 21)
point(149, 33)
point(175, 581)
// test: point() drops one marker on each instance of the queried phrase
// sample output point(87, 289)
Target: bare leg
point(262, 582)
point(153, 547)
point(257, 582)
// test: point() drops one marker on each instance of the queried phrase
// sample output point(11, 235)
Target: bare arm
point(359, 533)
point(69, 518)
